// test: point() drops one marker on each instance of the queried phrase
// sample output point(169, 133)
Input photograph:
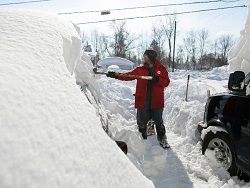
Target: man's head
point(149, 56)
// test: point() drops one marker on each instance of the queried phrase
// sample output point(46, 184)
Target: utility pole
point(186, 99)
point(174, 47)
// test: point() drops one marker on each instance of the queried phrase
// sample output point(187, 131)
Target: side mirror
point(236, 81)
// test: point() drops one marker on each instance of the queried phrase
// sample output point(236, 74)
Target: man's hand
point(112, 74)
point(155, 79)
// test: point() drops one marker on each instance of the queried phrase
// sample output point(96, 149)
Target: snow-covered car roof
point(115, 61)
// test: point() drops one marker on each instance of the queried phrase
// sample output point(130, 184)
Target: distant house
point(122, 63)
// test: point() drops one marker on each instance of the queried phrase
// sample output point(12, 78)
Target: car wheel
point(221, 149)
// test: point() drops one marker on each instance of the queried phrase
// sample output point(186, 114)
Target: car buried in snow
point(225, 130)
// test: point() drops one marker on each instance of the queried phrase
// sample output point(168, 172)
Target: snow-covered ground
point(50, 134)
point(183, 165)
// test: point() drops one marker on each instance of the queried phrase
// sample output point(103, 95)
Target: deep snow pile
point(183, 165)
point(50, 135)
point(239, 55)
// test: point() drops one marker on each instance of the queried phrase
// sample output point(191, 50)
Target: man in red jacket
point(149, 96)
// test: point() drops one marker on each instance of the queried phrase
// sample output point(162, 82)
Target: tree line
point(196, 51)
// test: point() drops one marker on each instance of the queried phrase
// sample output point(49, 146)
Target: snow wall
point(50, 135)
point(239, 55)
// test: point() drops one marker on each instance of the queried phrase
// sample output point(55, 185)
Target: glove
point(155, 79)
point(111, 74)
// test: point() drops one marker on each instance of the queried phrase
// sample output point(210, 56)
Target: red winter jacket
point(157, 89)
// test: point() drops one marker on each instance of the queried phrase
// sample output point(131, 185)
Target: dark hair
point(152, 55)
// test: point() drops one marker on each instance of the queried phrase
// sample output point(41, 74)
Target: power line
point(23, 2)
point(159, 15)
point(151, 6)
point(232, 1)
point(218, 15)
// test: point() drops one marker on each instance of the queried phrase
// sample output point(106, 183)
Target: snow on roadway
point(50, 135)
point(182, 166)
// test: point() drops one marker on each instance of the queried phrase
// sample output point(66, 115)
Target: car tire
point(221, 140)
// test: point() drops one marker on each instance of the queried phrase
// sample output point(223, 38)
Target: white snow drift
point(183, 165)
point(50, 135)
point(239, 55)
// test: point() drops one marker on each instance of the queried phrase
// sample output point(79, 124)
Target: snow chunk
point(113, 68)
point(213, 129)
point(50, 133)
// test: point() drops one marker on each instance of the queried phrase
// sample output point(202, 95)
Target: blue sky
point(217, 22)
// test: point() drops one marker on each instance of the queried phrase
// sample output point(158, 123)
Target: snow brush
point(125, 75)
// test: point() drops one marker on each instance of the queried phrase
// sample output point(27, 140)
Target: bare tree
point(123, 42)
point(156, 47)
point(196, 47)
point(168, 28)
point(191, 47)
point(215, 47)
point(95, 39)
point(103, 46)
point(225, 42)
point(158, 41)
point(202, 37)
point(99, 43)
point(213, 52)
point(180, 57)
point(84, 38)
point(141, 45)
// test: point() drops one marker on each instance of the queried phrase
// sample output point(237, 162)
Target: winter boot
point(143, 132)
point(144, 135)
point(163, 142)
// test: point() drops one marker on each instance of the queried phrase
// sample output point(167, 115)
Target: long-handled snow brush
point(125, 75)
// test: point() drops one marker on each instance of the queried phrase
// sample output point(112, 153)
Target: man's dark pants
point(145, 114)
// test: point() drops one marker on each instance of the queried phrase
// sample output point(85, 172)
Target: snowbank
point(239, 55)
point(50, 135)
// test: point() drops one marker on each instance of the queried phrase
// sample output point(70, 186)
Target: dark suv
point(225, 130)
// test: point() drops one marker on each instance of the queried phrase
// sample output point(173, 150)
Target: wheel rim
point(222, 152)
